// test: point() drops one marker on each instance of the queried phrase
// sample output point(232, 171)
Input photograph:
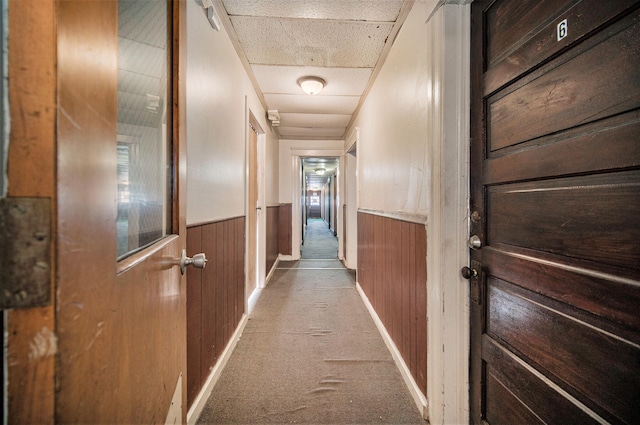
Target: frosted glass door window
point(144, 124)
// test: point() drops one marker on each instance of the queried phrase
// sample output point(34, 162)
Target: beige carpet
point(319, 241)
point(311, 354)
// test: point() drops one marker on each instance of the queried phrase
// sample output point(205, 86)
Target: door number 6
point(562, 30)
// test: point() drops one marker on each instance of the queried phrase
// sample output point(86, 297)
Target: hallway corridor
point(319, 241)
point(311, 354)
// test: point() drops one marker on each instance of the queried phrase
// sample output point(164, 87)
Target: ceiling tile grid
point(303, 42)
point(311, 120)
point(305, 133)
point(357, 10)
point(340, 81)
point(317, 104)
point(340, 41)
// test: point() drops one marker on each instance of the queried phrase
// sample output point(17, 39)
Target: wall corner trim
point(352, 139)
point(402, 216)
point(445, 3)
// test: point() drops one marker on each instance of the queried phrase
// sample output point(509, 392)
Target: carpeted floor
point(319, 241)
point(310, 354)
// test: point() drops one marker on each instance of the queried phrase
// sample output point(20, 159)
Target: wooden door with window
point(121, 310)
point(555, 165)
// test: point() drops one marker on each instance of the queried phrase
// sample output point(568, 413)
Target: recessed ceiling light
point(320, 171)
point(311, 85)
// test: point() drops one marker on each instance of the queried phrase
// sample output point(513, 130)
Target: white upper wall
point(217, 86)
point(392, 147)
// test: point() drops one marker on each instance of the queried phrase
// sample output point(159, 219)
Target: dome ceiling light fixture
point(311, 85)
point(320, 171)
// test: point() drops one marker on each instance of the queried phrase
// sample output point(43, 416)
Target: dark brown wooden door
point(555, 166)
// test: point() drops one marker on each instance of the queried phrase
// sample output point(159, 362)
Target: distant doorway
point(312, 170)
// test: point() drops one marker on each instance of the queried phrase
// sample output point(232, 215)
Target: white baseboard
point(201, 400)
point(282, 257)
point(418, 397)
point(273, 268)
point(253, 299)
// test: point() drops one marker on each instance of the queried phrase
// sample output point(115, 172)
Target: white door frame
point(261, 253)
point(448, 216)
point(352, 201)
point(296, 190)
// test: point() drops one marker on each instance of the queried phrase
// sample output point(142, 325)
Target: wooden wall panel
point(421, 306)
point(284, 229)
point(365, 254)
point(238, 260)
point(408, 271)
point(225, 276)
point(215, 294)
point(210, 325)
point(194, 317)
point(216, 284)
point(273, 236)
point(392, 272)
point(378, 268)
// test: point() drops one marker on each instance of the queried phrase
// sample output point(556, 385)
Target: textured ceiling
point(342, 41)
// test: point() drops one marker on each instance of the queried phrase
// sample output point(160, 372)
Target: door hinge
point(25, 257)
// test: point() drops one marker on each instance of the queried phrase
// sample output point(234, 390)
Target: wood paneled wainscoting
point(215, 296)
point(284, 229)
point(273, 236)
point(392, 273)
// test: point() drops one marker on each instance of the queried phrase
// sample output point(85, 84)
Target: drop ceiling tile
point(311, 42)
point(305, 132)
point(283, 79)
point(314, 120)
point(312, 104)
point(338, 40)
point(360, 10)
